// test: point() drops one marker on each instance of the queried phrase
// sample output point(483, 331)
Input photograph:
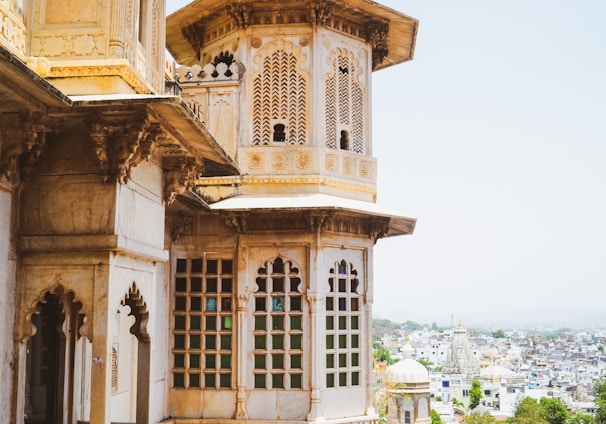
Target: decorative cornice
point(376, 35)
point(239, 13)
point(320, 11)
point(194, 34)
point(26, 140)
point(104, 68)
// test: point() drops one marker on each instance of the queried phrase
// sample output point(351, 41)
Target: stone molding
point(13, 34)
point(106, 68)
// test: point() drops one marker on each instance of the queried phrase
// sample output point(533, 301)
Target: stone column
point(100, 411)
point(242, 329)
point(117, 23)
point(317, 355)
point(367, 345)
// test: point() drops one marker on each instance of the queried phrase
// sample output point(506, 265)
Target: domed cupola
point(407, 390)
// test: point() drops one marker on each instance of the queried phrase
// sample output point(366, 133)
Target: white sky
point(494, 138)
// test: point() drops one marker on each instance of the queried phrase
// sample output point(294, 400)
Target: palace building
point(190, 243)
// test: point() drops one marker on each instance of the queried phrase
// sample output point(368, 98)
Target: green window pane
point(355, 341)
point(194, 322)
point(330, 323)
point(259, 381)
point(355, 323)
point(260, 323)
point(355, 378)
point(260, 342)
point(225, 341)
point(179, 360)
point(181, 284)
point(211, 342)
point(277, 362)
point(194, 341)
point(277, 341)
point(195, 284)
point(180, 322)
point(225, 323)
point(330, 342)
point(342, 360)
point(225, 380)
point(342, 379)
point(330, 380)
point(277, 323)
point(277, 381)
point(355, 359)
point(194, 380)
point(211, 361)
point(260, 362)
point(179, 379)
point(209, 380)
point(342, 341)
point(295, 342)
point(194, 361)
point(296, 381)
point(330, 360)
point(179, 341)
point(342, 323)
point(296, 361)
point(295, 323)
point(211, 322)
point(226, 361)
point(295, 303)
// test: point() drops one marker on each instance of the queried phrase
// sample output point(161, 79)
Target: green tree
point(457, 402)
point(485, 418)
point(580, 418)
point(380, 354)
point(554, 410)
point(498, 334)
point(600, 401)
point(475, 394)
point(435, 417)
point(528, 411)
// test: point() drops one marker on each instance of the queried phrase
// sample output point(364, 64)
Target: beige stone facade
point(190, 244)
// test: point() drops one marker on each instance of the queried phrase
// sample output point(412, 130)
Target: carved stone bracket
point(378, 228)
point(237, 222)
point(377, 37)
point(122, 142)
point(181, 225)
point(24, 139)
point(194, 34)
point(320, 11)
point(240, 14)
point(183, 177)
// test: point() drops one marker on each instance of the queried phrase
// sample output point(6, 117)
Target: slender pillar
point(243, 330)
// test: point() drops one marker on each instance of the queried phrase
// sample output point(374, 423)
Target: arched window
point(278, 327)
point(343, 344)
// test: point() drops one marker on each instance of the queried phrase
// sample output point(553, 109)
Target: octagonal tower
point(272, 273)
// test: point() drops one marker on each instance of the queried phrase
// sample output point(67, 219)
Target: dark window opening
point(279, 133)
point(344, 140)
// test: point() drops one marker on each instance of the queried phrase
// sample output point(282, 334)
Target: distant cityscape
point(511, 364)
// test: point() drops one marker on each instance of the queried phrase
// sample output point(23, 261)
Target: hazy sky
point(494, 138)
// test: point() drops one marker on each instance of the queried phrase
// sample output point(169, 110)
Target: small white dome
point(407, 370)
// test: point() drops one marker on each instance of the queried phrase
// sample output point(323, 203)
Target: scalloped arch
point(31, 308)
point(138, 309)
